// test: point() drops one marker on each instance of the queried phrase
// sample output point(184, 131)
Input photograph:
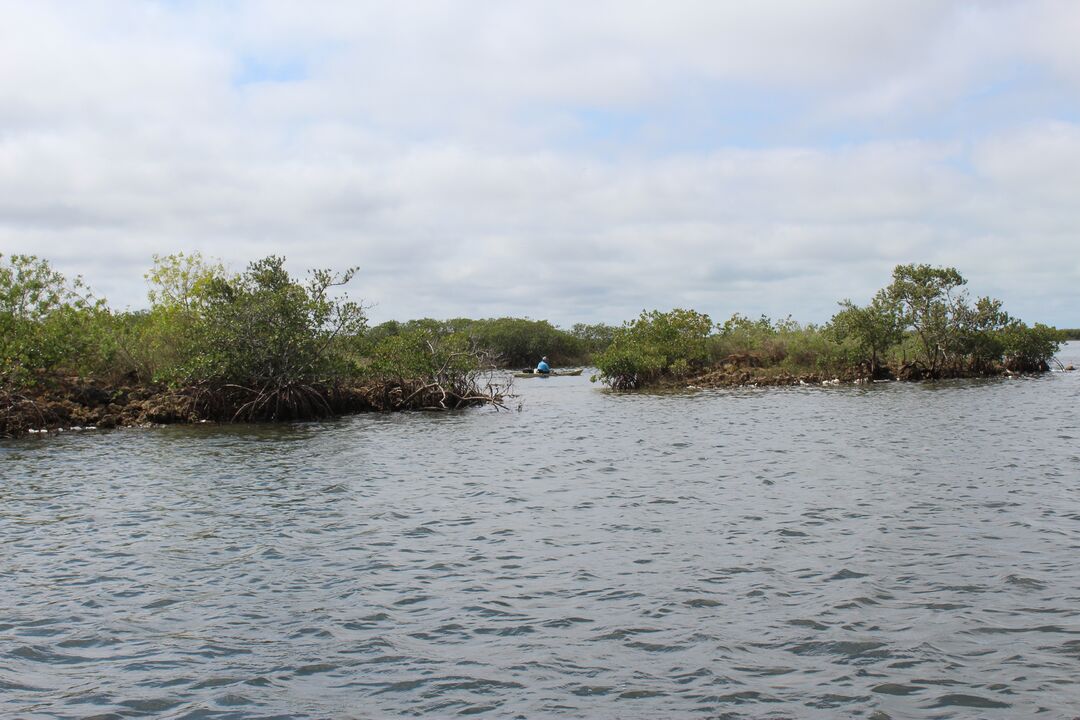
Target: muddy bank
point(743, 374)
point(66, 404)
point(730, 376)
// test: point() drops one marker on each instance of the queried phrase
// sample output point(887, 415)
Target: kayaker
point(543, 368)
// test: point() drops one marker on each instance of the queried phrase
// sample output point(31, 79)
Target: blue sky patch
point(252, 70)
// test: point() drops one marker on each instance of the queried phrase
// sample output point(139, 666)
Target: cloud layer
point(568, 161)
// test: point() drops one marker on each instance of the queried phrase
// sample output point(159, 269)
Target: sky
point(560, 160)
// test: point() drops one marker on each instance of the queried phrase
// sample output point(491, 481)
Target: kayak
point(556, 373)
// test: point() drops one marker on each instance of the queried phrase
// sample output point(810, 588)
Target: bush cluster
point(508, 342)
point(275, 343)
point(923, 325)
point(47, 323)
point(258, 344)
point(654, 346)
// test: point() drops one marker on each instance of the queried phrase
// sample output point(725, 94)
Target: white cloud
point(429, 144)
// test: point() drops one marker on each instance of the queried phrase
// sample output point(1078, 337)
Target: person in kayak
point(543, 368)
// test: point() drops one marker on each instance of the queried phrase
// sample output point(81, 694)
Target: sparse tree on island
point(928, 298)
point(873, 329)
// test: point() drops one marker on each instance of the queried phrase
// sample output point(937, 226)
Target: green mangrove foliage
point(50, 328)
point(273, 347)
point(509, 342)
point(255, 345)
point(869, 331)
point(953, 337)
point(656, 346)
point(419, 367)
point(783, 344)
point(522, 342)
point(263, 340)
point(264, 329)
point(262, 344)
point(922, 325)
point(47, 322)
point(593, 338)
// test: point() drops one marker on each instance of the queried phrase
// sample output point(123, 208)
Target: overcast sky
point(571, 161)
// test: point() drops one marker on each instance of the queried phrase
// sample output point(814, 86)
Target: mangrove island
point(262, 345)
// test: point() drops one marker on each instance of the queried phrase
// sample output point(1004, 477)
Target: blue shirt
point(543, 367)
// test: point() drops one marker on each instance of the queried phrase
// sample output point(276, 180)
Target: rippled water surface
point(894, 551)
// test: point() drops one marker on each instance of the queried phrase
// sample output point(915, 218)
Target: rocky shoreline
point(76, 404)
point(738, 374)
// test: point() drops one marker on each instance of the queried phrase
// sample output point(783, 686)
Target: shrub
point(928, 298)
point(519, 342)
point(741, 336)
point(47, 322)
point(980, 343)
point(259, 341)
point(420, 354)
point(420, 369)
point(1029, 349)
point(594, 338)
point(813, 349)
point(871, 330)
point(654, 346)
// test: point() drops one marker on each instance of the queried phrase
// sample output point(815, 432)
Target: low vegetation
point(213, 345)
point(922, 326)
point(654, 347)
point(508, 342)
point(264, 345)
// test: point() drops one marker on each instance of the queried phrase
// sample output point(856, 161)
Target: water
point(896, 551)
